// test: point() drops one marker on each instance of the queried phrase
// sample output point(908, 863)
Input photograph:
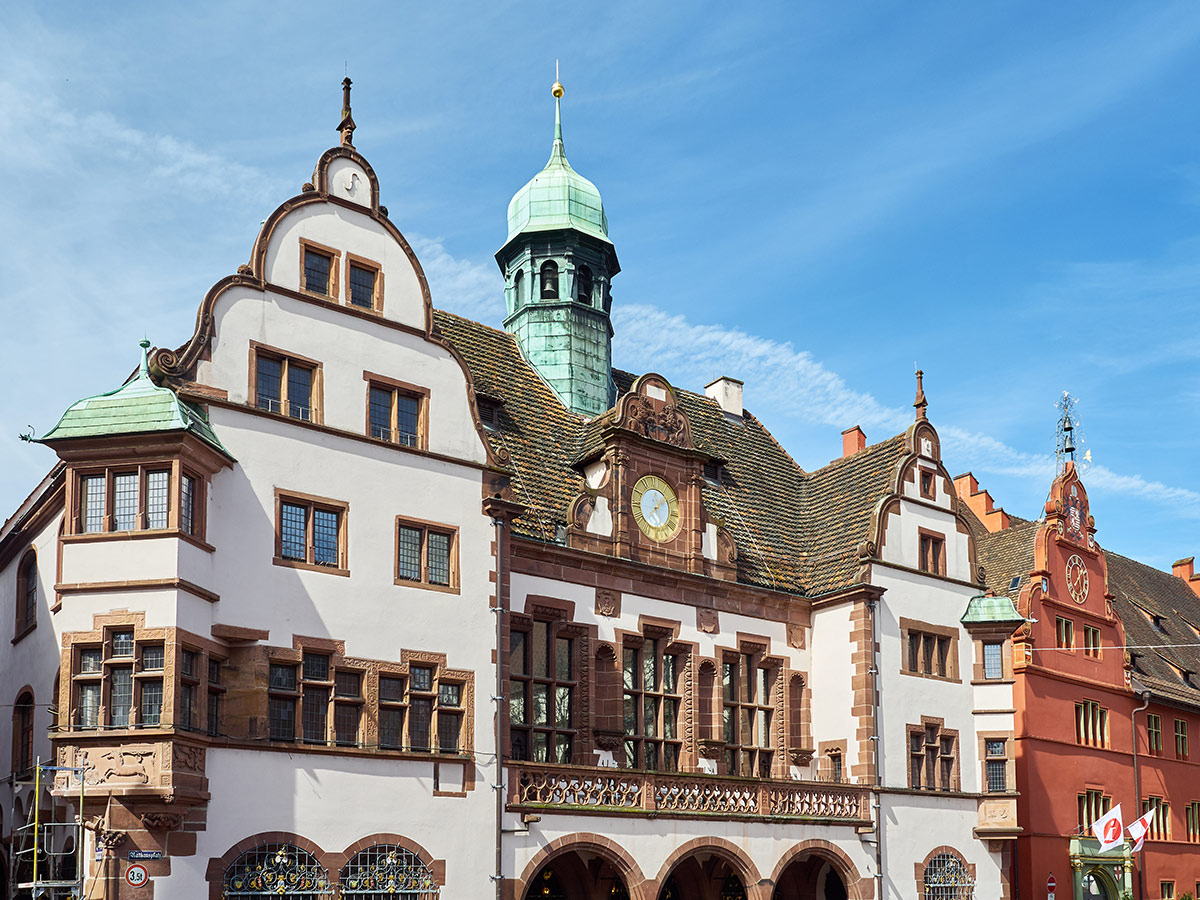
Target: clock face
point(1077, 579)
point(656, 508)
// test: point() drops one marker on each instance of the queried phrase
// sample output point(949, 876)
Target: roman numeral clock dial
point(656, 508)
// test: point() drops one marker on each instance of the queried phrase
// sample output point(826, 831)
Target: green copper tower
point(557, 264)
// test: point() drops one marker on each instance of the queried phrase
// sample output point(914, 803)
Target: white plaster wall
point(908, 697)
point(117, 560)
point(372, 614)
point(832, 689)
point(347, 230)
point(909, 838)
point(32, 661)
point(902, 542)
point(335, 802)
point(346, 346)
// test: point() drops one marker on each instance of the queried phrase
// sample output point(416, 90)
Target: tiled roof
point(1005, 555)
point(1160, 613)
point(795, 531)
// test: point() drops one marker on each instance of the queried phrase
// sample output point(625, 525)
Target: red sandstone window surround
point(157, 495)
point(747, 694)
point(933, 756)
point(27, 595)
point(319, 267)
point(23, 712)
point(927, 487)
point(651, 706)
point(397, 412)
point(932, 556)
point(930, 650)
point(311, 532)
point(285, 383)
point(426, 555)
point(542, 693)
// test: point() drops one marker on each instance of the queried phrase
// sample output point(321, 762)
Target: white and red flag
point(1139, 828)
point(1108, 829)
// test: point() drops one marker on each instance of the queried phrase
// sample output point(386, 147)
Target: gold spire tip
point(556, 89)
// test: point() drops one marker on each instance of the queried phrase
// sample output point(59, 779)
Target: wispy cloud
point(783, 382)
point(463, 286)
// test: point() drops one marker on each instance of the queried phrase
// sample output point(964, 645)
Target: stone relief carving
point(608, 602)
point(795, 636)
point(187, 758)
point(162, 821)
point(706, 621)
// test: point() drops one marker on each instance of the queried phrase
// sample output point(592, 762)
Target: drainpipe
point(877, 739)
point(498, 698)
point(1137, 792)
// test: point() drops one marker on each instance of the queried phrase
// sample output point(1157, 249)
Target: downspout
point(1137, 792)
point(498, 698)
point(877, 739)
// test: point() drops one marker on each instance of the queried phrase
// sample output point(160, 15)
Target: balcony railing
point(535, 786)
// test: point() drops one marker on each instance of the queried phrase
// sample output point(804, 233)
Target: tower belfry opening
point(558, 263)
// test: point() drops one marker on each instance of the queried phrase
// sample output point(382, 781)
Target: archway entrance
point(703, 877)
point(810, 877)
point(1097, 886)
point(577, 875)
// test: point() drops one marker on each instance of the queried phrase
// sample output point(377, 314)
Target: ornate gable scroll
point(650, 409)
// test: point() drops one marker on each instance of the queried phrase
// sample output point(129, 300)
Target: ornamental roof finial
point(144, 365)
point(920, 403)
point(557, 90)
point(346, 126)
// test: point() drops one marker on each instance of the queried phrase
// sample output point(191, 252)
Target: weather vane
point(1068, 434)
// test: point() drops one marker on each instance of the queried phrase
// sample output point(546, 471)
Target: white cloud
point(462, 286)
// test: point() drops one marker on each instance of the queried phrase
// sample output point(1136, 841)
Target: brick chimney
point(728, 394)
point(853, 440)
point(1186, 569)
point(980, 502)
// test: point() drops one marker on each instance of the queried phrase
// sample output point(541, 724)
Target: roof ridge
point(860, 455)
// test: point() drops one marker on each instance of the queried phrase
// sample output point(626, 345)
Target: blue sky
point(808, 197)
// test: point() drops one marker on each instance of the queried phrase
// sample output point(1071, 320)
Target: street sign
point(1051, 884)
point(145, 854)
point(136, 876)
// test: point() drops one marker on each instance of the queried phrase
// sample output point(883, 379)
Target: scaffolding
point(46, 860)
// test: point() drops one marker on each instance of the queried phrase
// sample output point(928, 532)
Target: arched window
point(549, 280)
point(518, 289)
point(27, 593)
point(387, 872)
point(583, 285)
point(276, 870)
point(23, 733)
point(947, 878)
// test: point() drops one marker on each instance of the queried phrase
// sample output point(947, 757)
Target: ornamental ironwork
point(276, 870)
point(387, 872)
point(947, 878)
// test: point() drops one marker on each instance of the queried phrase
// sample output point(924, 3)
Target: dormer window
point(549, 280)
point(583, 291)
point(489, 411)
point(714, 472)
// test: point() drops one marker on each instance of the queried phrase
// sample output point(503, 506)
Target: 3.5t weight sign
point(136, 876)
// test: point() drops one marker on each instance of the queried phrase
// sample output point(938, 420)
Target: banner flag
point(1109, 830)
point(1139, 828)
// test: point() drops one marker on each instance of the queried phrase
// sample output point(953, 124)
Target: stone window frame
point(370, 699)
point(920, 867)
point(928, 630)
point(333, 285)
point(25, 612)
point(1064, 633)
point(407, 389)
point(23, 733)
point(1160, 823)
point(942, 733)
point(1154, 746)
point(176, 469)
point(558, 625)
point(1092, 642)
point(933, 560)
point(1091, 723)
point(666, 634)
point(316, 393)
point(923, 476)
point(313, 502)
point(826, 752)
point(1093, 802)
point(1010, 763)
point(101, 639)
point(370, 265)
point(426, 527)
point(756, 649)
point(1182, 745)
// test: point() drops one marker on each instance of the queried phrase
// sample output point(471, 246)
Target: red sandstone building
point(1108, 657)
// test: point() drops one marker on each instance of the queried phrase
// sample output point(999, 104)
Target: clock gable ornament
point(1077, 579)
point(656, 508)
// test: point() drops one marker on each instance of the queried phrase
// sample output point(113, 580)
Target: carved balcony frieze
point(577, 789)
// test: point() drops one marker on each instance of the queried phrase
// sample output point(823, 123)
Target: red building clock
point(1077, 579)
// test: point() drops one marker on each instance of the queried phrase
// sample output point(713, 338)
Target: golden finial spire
point(556, 89)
